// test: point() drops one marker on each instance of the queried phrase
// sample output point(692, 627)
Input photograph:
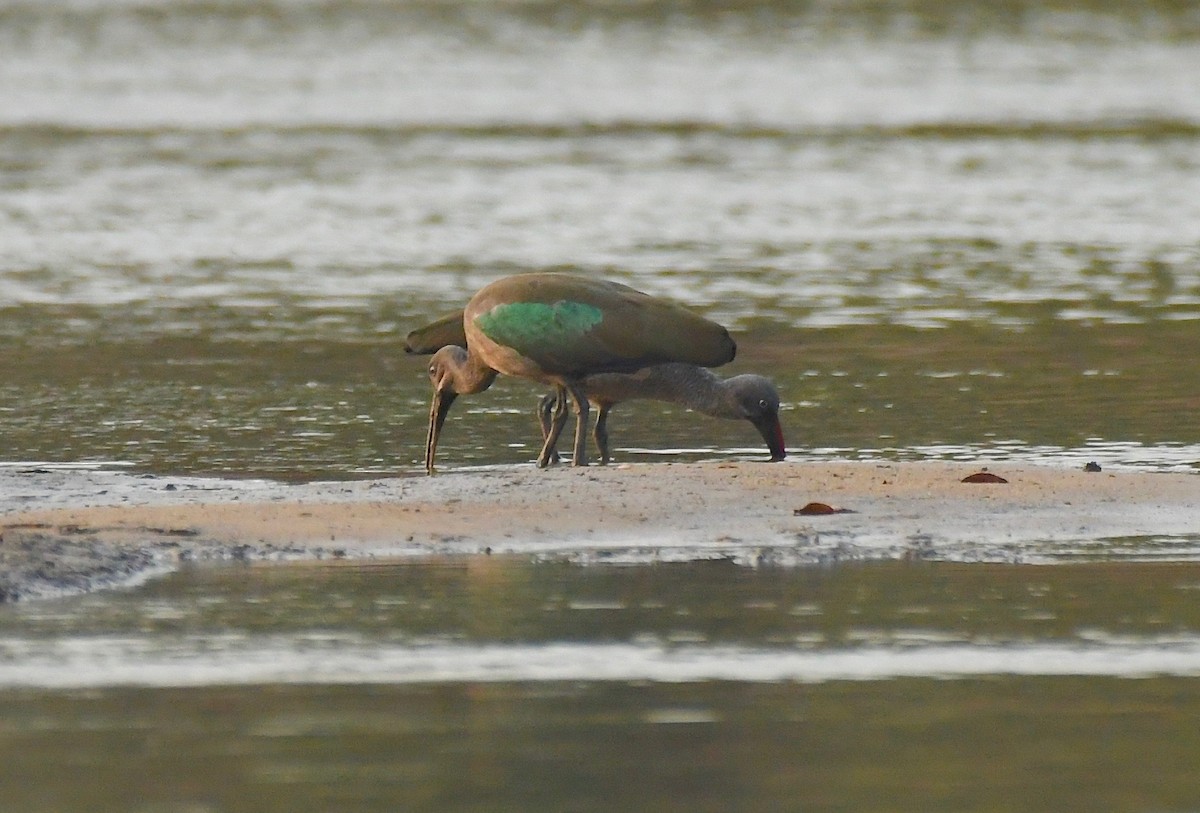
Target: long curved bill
point(439, 407)
point(772, 433)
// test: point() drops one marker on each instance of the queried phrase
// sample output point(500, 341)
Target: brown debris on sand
point(983, 477)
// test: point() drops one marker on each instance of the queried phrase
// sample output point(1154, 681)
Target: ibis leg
point(545, 408)
point(549, 446)
point(601, 433)
point(581, 424)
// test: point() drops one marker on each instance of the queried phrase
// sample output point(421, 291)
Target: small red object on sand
point(983, 477)
point(816, 509)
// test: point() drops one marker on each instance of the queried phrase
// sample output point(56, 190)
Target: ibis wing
point(577, 325)
point(433, 337)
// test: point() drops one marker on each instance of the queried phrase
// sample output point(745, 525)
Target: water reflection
point(498, 618)
point(559, 697)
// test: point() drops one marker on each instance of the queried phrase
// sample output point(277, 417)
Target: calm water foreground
point(500, 684)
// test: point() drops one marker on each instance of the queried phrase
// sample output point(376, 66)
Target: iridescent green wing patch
point(529, 327)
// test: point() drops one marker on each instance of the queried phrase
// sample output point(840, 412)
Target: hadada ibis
point(600, 341)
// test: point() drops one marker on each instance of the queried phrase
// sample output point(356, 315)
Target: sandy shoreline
point(67, 531)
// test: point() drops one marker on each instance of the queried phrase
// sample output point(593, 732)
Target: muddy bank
point(65, 531)
point(53, 560)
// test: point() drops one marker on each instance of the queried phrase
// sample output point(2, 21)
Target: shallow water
point(497, 683)
point(1063, 394)
point(951, 230)
point(927, 221)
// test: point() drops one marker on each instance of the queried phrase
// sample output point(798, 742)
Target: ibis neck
point(688, 385)
point(470, 373)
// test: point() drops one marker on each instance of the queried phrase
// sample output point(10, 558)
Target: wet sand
point(69, 531)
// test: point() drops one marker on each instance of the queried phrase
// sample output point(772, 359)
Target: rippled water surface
point(493, 683)
point(536, 682)
point(955, 230)
point(927, 221)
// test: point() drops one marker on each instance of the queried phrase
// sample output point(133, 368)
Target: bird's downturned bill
point(772, 432)
point(439, 407)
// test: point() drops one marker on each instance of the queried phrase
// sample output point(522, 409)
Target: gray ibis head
point(756, 399)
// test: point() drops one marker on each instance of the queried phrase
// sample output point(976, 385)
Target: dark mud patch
point(44, 560)
point(41, 562)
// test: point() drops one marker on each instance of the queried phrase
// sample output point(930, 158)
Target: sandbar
point(71, 531)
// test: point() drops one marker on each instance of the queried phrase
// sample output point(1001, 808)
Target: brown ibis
point(744, 397)
point(558, 328)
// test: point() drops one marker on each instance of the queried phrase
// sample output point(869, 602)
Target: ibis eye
point(762, 404)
